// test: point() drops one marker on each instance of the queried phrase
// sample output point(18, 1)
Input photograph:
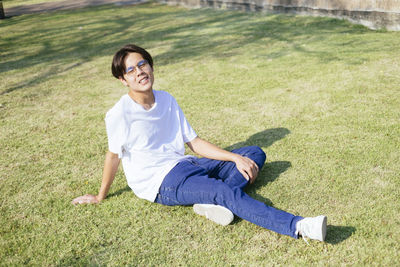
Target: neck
point(145, 99)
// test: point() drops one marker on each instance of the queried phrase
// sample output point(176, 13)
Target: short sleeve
point(116, 132)
point(187, 131)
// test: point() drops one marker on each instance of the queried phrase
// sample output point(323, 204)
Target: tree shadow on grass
point(76, 37)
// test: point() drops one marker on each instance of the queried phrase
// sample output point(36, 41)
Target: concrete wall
point(374, 14)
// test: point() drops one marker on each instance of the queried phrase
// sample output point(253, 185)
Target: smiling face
point(139, 75)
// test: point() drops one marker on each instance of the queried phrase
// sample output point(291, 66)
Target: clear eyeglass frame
point(132, 70)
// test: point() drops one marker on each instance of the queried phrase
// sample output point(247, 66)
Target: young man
point(147, 130)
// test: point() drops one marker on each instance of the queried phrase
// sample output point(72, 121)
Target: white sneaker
point(215, 213)
point(312, 227)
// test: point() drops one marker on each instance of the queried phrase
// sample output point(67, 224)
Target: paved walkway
point(62, 5)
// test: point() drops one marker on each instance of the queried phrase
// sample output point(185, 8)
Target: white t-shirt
point(149, 142)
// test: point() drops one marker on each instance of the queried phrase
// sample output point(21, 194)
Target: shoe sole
point(323, 220)
point(215, 213)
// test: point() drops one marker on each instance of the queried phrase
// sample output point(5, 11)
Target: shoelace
point(298, 232)
point(305, 239)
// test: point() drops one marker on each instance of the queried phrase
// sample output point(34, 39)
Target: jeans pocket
point(193, 161)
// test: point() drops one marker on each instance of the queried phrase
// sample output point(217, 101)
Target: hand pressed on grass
point(86, 199)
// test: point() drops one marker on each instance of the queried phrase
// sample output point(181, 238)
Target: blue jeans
point(206, 181)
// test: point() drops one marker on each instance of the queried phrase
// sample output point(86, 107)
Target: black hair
point(118, 64)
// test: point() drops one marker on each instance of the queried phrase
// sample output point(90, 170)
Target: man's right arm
point(111, 164)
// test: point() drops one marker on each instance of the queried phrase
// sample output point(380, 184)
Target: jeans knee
point(253, 152)
point(258, 155)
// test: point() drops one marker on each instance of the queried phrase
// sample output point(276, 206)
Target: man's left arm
point(247, 167)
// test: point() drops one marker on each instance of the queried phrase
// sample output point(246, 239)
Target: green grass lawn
point(320, 96)
point(13, 3)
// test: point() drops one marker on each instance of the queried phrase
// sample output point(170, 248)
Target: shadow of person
point(119, 192)
point(262, 139)
point(268, 174)
point(336, 234)
point(270, 170)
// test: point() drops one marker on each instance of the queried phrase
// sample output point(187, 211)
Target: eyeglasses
point(142, 64)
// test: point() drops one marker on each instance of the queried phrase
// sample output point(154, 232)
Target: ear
point(123, 81)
